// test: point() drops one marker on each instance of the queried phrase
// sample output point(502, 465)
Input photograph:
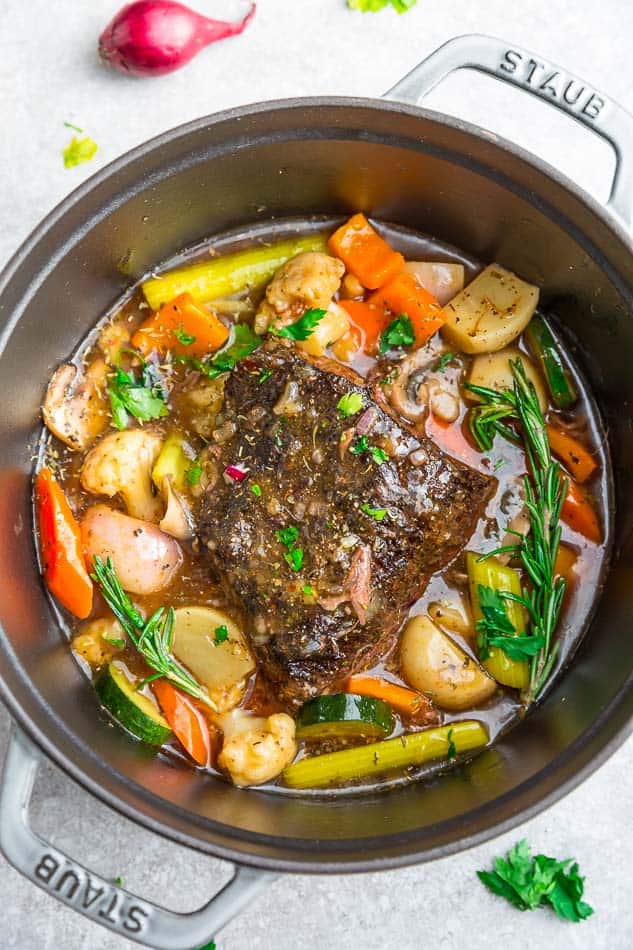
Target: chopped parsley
point(78, 151)
point(194, 474)
point(256, 490)
point(308, 590)
point(264, 375)
point(498, 464)
point(495, 629)
point(114, 641)
point(377, 514)
point(221, 634)
point(373, 6)
point(289, 537)
point(144, 399)
point(302, 328)
point(349, 404)
point(452, 751)
point(209, 946)
point(185, 338)
point(362, 445)
point(118, 880)
point(398, 333)
point(243, 344)
point(529, 882)
point(445, 359)
point(389, 378)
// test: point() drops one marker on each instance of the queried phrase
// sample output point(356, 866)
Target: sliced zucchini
point(132, 709)
point(344, 716)
point(561, 386)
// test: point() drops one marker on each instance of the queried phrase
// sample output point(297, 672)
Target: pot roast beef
point(341, 519)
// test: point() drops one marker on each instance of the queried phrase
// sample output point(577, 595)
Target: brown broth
point(506, 462)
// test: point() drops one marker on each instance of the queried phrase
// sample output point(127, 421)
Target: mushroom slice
point(121, 464)
point(76, 408)
point(177, 520)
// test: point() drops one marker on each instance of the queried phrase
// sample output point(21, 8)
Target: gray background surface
point(49, 73)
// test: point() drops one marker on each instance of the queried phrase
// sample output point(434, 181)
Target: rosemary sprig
point(152, 638)
point(545, 491)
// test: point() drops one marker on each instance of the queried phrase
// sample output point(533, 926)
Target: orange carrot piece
point(577, 460)
point(369, 320)
point(182, 327)
point(449, 436)
point(60, 545)
point(365, 254)
point(187, 723)
point(406, 701)
point(404, 295)
point(579, 514)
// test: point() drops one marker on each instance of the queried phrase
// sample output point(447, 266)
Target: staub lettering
point(572, 94)
point(75, 886)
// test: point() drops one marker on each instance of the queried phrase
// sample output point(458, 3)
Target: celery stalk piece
point(332, 768)
point(222, 276)
point(490, 573)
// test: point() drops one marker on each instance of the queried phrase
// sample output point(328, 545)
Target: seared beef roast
point(372, 512)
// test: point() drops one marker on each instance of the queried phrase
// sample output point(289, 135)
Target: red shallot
point(235, 473)
point(153, 37)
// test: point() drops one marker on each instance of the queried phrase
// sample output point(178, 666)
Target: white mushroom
point(76, 408)
point(255, 750)
point(144, 557)
point(121, 464)
point(177, 520)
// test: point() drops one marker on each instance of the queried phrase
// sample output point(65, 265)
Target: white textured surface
point(49, 73)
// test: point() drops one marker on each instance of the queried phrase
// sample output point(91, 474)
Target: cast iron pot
point(301, 157)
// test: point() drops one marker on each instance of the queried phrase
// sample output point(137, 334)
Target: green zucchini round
point(344, 716)
point(134, 711)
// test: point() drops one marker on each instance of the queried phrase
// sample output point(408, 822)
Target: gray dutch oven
point(303, 157)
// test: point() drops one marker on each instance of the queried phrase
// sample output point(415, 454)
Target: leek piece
point(222, 276)
point(491, 573)
point(416, 748)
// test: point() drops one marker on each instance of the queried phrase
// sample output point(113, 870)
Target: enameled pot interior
point(299, 159)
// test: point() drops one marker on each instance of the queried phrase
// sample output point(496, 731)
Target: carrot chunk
point(406, 701)
point(369, 320)
point(579, 513)
point(574, 456)
point(403, 295)
point(365, 254)
point(182, 327)
point(60, 545)
point(187, 722)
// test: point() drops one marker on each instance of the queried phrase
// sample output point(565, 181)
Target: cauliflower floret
point(307, 280)
point(255, 750)
point(91, 643)
point(121, 464)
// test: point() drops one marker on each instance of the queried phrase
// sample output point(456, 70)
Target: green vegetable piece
point(378, 514)
point(398, 333)
point(256, 490)
point(530, 882)
point(221, 634)
point(445, 359)
point(78, 151)
point(294, 558)
point(287, 536)
point(349, 404)
point(132, 709)
point(561, 386)
point(332, 768)
point(344, 715)
point(302, 328)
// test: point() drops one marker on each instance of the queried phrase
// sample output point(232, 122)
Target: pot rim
point(147, 803)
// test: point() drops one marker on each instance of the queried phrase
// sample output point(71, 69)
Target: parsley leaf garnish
point(308, 590)
point(373, 6)
point(289, 537)
point(350, 404)
point(445, 359)
point(185, 338)
point(256, 490)
point(221, 634)
point(243, 344)
point(264, 375)
point(398, 333)
point(376, 513)
point(144, 399)
point(302, 328)
point(530, 882)
point(378, 455)
point(362, 445)
point(194, 473)
point(78, 151)
point(452, 751)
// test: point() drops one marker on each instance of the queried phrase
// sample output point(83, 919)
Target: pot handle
point(101, 900)
point(544, 79)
